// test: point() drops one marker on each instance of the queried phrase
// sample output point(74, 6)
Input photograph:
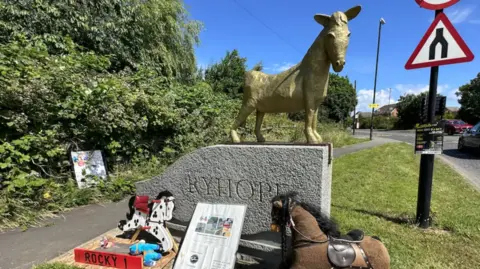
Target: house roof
point(453, 108)
point(365, 114)
point(386, 109)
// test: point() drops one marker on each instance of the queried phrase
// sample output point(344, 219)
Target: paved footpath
point(22, 250)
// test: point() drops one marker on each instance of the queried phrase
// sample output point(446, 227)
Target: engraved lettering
point(100, 261)
point(230, 188)
point(279, 187)
point(94, 258)
point(114, 258)
point(204, 183)
point(220, 188)
point(249, 186)
point(194, 185)
point(209, 186)
point(265, 187)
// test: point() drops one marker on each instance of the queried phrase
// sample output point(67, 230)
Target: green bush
point(132, 33)
point(379, 122)
point(53, 104)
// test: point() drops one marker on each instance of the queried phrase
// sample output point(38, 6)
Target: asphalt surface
point(466, 163)
point(24, 249)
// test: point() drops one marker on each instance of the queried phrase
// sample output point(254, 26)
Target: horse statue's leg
point(244, 112)
point(258, 126)
point(315, 121)
point(309, 117)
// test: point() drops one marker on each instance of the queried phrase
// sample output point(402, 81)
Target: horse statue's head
point(337, 35)
point(284, 204)
point(281, 207)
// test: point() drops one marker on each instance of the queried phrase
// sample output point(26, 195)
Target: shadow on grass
point(401, 219)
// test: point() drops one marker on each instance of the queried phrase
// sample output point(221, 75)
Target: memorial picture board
point(212, 238)
point(428, 139)
point(87, 163)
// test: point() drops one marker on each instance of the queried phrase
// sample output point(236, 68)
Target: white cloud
point(418, 88)
point(452, 98)
point(459, 15)
point(280, 67)
point(474, 21)
point(365, 97)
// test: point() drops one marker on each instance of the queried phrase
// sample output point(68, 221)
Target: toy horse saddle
point(341, 254)
point(346, 252)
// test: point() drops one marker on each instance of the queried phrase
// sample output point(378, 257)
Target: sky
point(278, 33)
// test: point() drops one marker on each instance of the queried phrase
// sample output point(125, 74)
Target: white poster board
point(88, 163)
point(212, 237)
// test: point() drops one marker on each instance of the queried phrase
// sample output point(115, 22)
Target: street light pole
point(381, 22)
point(355, 110)
point(389, 95)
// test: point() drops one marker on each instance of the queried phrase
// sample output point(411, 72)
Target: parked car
point(470, 138)
point(452, 127)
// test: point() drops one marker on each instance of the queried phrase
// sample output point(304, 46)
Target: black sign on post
point(428, 139)
point(427, 160)
point(440, 33)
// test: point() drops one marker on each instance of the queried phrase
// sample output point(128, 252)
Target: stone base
point(250, 174)
point(261, 251)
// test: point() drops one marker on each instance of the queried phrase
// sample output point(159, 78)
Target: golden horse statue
point(303, 86)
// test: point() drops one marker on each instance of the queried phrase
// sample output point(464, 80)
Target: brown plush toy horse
point(317, 243)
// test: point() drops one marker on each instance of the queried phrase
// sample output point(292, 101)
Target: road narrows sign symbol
point(441, 45)
point(436, 4)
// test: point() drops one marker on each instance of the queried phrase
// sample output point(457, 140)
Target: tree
point(258, 66)
point(409, 110)
point(154, 33)
point(449, 115)
point(340, 101)
point(469, 100)
point(341, 98)
point(228, 75)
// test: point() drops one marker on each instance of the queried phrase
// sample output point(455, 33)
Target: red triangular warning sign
point(441, 45)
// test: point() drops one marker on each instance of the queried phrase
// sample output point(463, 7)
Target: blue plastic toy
point(150, 258)
point(149, 250)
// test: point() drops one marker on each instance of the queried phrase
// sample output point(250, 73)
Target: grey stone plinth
point(246, 174)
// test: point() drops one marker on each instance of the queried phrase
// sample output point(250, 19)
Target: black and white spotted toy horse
point(150, 216)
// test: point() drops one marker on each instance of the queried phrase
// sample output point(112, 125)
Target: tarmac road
point(466, 163)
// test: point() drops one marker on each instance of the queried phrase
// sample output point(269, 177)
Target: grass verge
point(376, 190)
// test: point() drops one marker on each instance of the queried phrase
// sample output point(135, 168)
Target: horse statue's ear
point(322, 19)
point(277, 204)
point(353, 12)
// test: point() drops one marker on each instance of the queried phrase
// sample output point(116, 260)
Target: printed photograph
point(215, 226)
point(200, 227)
